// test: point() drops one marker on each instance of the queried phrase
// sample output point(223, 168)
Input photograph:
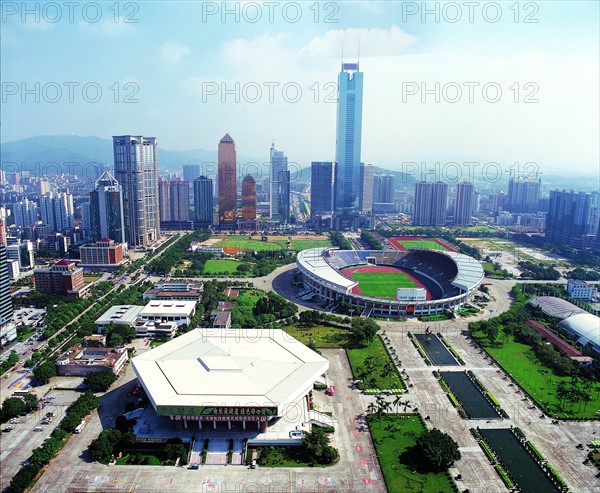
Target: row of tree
point(369, 238)
point(42, 455)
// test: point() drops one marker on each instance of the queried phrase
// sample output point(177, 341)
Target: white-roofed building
point(585, 327)
point(244, 376)
point(119, 315)
point(178, 311)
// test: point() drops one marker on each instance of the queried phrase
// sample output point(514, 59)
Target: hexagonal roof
point(238, 367)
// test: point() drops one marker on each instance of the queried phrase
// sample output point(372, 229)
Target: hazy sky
point(516, 82)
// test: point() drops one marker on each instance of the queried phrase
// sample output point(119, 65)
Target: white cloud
point(172, 51)
point(373, 42)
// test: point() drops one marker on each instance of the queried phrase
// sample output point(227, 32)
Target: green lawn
point(539, 381)
point(382, 285)
point(243, 243)
point(274, 243)
point(323, 335)
point(392, 436)
point(427, 244)
point(217, 266)
point(90, 278)
point(357, 357)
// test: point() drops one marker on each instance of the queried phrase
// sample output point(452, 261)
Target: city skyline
point(396, 49)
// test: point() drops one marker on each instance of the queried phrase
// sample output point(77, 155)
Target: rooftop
point(168, 307)
point(120, 314)
point(556, 307)
point(228, 368)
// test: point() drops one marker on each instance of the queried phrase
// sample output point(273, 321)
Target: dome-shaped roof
point(585, 325)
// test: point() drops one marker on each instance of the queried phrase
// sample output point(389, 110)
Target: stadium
point(394, 283)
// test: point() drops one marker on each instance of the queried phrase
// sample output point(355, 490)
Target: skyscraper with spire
point(227, 174)
point(348, 139)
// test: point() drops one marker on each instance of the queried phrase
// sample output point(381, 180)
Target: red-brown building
point(62, 278)
point(248, 198)
point(105, 255)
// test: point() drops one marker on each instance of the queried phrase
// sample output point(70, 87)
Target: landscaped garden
point(373, 366)
point(324, 335)
point(558, 386)
point(222, 266)
point(395, 437)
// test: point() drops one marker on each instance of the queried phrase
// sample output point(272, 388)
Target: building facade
point(25, 213)
point(104, 255)
point(8, 329)
point(248, 198)
point(464, 204)
point(523, 194)
point(366, 188)
point(136, 170)
point(57, 211)
point(180, 200)
point(321, 189)
point(203, 200)
point(430, 204)
point(571, 219)
point(60, 279)
point(279, 183)
point(106, 209)
point(348, 139)
point(383, 189)
point(164, 200)
point(227, 180)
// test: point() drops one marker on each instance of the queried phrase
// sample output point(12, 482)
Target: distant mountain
point(25, 153)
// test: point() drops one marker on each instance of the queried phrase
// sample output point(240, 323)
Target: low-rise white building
point(119, 315)
point(580, 290)
point(178, 311)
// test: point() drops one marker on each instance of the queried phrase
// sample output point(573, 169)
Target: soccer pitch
point(382, 285)
point(425, 244)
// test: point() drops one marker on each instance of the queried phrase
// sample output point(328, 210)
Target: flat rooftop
point(120, 314)
point(168, 307)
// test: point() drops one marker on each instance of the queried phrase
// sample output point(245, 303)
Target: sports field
point(379, 282)
point(411, 242)
point(236, 244)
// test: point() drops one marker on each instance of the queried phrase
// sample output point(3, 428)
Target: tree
point(31, 402)
point(438, 449)
point(100, 381)
point(315, 441)
point(12, 407)
point(103, 447)
point(364, 330)
point(45, 372)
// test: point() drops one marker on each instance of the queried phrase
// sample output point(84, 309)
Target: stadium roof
point(470, 272)
point(228, 368)
point(586, 326)
point(556, 307)
point(313, 261)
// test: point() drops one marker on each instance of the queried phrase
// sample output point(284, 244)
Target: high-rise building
point(321, 188)
point(464, 204)
point(104, 255)
point(22, 251)
point(571, 219)
point(383, 189)
point(248, 197)
point(523, 194)
point(164, 199)
point(227, 178)
point(180, 200)
point(191, 172)
point(2, 232)
point(366, 188)
point(348, 139)
point(57, 211)
point(203, 200)
point(279, 179)
point(106, 209)
point(430, 204)
point(136, 170)
point(86, 220)
point(8, 330)
point(44, 186)
point(25, 213)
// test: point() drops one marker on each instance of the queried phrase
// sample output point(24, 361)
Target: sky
point(514, 83)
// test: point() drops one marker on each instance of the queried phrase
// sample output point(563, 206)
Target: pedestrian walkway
point(196, 454)
point(238, 450)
